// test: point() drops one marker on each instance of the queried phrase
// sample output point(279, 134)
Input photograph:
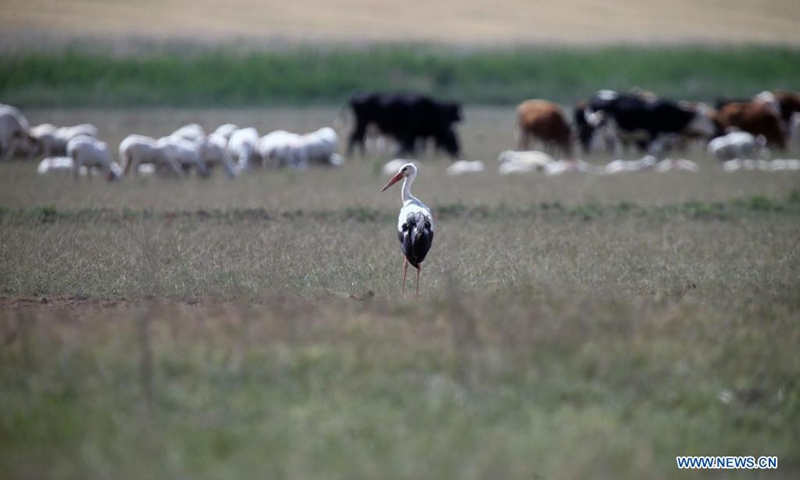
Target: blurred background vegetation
point(225, 76)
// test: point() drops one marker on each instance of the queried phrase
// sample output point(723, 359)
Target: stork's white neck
point(405, 194)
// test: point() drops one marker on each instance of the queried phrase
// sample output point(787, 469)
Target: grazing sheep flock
point(77, 150)
point(737, 135)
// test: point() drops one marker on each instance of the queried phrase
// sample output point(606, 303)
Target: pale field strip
point(476, 22)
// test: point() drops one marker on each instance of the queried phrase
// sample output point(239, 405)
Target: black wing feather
point(416, 237)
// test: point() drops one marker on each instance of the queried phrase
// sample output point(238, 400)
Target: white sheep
point(89, 152)
point(620, 166)
point(185, 153)
point(392, 166)
point(794, 131)
point(57, 164)
point(738, 145)
point(211, 151)
point(136, 150)
point(68, 133)
point(243, 147)
point(464, 166)
point(64, 135)
point(214, 153)
point(14, 136)
point(52, 141)
point(275, 148)
point(558, 167)
point(523, 161)
point(226, 131)
point(281, 148)
point(45, 140)
point(680, 164)
point(319, 148)
point(507, 168)
point(192, 132)
point(776, 165)
point(785, 164)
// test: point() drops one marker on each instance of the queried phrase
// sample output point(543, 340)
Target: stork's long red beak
point(394, 180)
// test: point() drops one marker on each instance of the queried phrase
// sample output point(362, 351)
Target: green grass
point(305, 75)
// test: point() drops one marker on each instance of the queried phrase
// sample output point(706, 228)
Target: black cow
point(643, 120)
point(582, 127)
point(408, 117)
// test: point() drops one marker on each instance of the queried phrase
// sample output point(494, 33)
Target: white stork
point(414, 225)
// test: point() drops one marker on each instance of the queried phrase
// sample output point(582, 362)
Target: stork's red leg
point(419, 270)
point(405, 270)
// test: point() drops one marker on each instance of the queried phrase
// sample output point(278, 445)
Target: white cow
point(741, 145)
point(89, 152)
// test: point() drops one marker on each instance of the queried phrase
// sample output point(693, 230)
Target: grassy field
point(569, 327)
point(235, 77)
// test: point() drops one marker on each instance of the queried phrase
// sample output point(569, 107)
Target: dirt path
point(477, 22)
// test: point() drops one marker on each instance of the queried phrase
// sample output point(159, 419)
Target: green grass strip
point(305, 75)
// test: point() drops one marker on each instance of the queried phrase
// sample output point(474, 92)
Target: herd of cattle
point(735, 129)
point(609, 121)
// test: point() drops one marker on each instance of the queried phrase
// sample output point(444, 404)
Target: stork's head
point(407, 170)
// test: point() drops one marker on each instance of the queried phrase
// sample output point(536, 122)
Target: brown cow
point(544, 121)
point(755, 117)
point(789, 103)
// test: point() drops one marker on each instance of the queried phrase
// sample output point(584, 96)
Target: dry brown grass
point(742, 259)
point(476, 22)
point(549, 342)
point(545, 383)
